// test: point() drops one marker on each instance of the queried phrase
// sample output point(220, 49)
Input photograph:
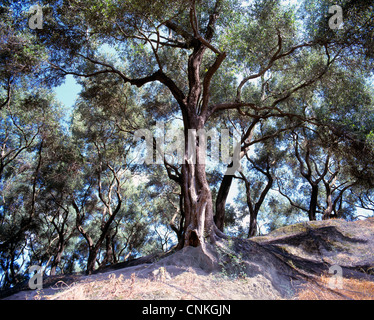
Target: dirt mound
point(318, 245)
point(268, 267)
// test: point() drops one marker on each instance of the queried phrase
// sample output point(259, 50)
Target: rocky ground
point(294, 262)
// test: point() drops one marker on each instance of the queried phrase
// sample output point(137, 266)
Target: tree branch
point(139, 82)
point(193, 19)
point(288, 198)
point(9, 91)
point(207, 80)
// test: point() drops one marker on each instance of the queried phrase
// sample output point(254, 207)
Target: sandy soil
point(275, 266)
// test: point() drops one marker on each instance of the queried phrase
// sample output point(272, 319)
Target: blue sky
point(67, 94)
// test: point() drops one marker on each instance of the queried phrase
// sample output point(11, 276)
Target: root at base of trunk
point(193, 239)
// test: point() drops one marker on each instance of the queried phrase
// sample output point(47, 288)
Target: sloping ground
point(315, 246)
point(291, 262)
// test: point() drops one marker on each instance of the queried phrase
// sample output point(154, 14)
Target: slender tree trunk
point(329, 203)
point(93, 252)
point(108, 258)
point(226, 183)
point(252, 225)
point(93, 249)
point(179, 229)
point(114, 257)
point(313, 203)
point(223, 192)
point(57, 259)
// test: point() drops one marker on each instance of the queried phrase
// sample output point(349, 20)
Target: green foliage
point(232, 264)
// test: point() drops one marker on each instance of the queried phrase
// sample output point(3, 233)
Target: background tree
point(28, 127)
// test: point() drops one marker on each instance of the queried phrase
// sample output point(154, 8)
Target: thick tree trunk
point(198, 205)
